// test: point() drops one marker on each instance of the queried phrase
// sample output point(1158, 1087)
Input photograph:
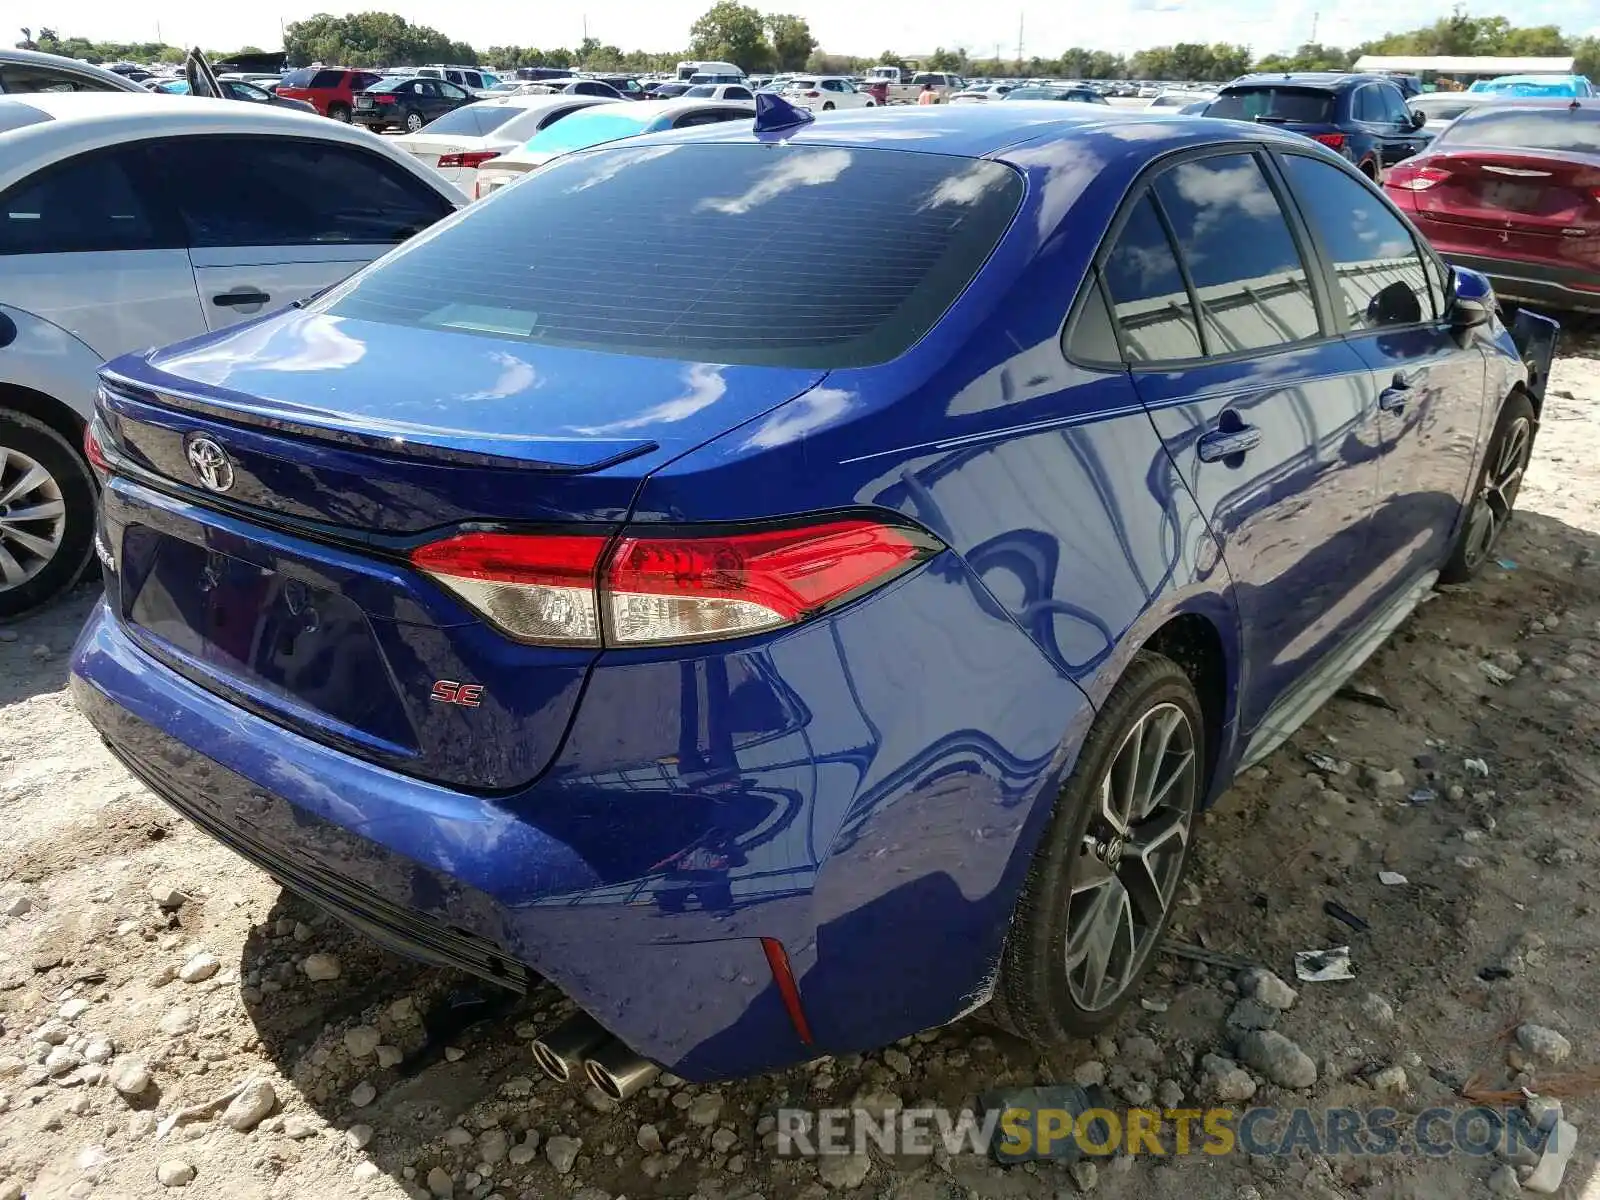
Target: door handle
point(240, 298)
point(1225, 443)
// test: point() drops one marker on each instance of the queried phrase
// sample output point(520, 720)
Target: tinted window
point(326, 79)
point(807, 256)
point(475, 119)
point(361, 79)
point(1394, 105)
point(20, 80)
point(288, 192)
point(1366, 105)
point(89, 203)
point(1274, 105)
point(1381, 281)
point(1152, 305)
point(301, 78)
point(737, 93)
point(1247, 273)
point(713, 117)
point(1093, 339)
point(1564, 129)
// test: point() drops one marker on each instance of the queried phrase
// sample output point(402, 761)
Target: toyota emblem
point(210, 463)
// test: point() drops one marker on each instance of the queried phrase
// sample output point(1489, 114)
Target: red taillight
point(468, 158)
point(383, 98)
point(536, 588)
point(1413, 178)
point(661, 589)
point(94, 452)
point(1334, 141)
point(812, 95)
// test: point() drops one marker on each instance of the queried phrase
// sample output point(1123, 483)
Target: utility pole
point(1019, 44)
point(1314, 17)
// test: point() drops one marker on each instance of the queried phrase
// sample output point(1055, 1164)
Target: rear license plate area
point(266, 629)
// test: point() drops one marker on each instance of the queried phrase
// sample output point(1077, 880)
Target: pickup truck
point(904, 87)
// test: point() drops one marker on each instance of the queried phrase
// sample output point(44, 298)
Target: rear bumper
point(373, 120)
point(1534, 283)
point(857, 789)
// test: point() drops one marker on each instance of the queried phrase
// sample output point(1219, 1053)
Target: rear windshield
point(300, 78)
point(476, 119)
point(1443, 112)
point(1569, 130)
point(1275, 105)
point(588, 128)
point(795, 256)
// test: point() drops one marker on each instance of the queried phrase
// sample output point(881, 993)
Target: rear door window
point(1274, 105)
point(91, 203)
point(267, 191)
point(823, 256)
point(328, 79)
point(1379, 272)
point(1154, 311)
point(1248, 276)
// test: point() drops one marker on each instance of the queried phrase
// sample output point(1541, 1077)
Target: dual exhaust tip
point(579, 1046)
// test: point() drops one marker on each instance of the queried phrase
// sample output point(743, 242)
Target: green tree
point(943, 60)
point(370, 39)
point(890, 59)
point(792, 40)
point(731, 32)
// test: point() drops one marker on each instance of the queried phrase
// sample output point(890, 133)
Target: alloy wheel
point(413, 122)
point(1498, 495)
point(33, 518)
point(1128, 865)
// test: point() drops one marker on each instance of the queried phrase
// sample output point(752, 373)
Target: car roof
point(81, 121)
point(36, 58)
point(533, 103)
point(1332, 81)
point(985, 130)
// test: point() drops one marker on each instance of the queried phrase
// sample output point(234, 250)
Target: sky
point(843, 26)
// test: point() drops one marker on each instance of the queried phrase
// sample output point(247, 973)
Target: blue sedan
point(789, 587)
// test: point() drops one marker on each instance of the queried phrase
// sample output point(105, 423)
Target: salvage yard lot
point(379, 1086)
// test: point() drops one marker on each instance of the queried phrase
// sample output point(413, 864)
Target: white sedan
point(462, 140)
point(825, 93)
point(718, 91)
point(126, 221)
point(988, 91)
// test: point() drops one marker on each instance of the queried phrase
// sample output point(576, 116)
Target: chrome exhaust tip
point(618, 1072)
point(561, 1052)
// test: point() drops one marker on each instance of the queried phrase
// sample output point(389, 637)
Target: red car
point(1513, 190)
point(330, 90)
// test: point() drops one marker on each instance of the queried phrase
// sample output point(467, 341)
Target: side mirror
point(1471, 299)
point(1418, 119)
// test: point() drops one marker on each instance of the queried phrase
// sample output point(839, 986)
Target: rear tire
point(1494, 496)
point(47, 508)
point(414, 122)
point(827, 106)
point(339, 112)
point(1100, 891)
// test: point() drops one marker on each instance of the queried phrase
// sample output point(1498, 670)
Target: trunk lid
point(277, 575)
point(1549, 205)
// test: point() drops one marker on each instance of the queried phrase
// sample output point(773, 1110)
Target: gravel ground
point(170, 1018)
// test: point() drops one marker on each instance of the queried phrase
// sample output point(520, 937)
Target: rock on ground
point(1279, 1059)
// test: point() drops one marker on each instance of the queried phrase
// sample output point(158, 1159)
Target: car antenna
point(774, 113)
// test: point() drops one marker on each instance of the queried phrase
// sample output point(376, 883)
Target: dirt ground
point(1480, 784)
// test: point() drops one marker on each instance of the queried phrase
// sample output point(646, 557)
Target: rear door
point(1266, 413)
point(1390, 296)
point(272, 220)
point(450, 98)
point(1400, 139)
point(89, 244)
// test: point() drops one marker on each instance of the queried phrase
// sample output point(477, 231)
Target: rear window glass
point(301, 78)
point(328, 79)
point(589, 128)
point(803, 256)
point(1273, 105)
point(1564, 129)
point(475, 119)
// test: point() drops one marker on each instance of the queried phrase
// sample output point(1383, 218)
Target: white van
point(725, 72)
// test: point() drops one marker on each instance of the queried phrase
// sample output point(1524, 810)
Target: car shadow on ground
point(35, 650)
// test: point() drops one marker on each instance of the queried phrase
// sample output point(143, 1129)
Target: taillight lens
point(1334, 141)
point(468, 158)
point(383, 98)
point(1413, 178)
point(536, 588)
point(812, 95)
point(666, 589)
point(95, 452)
